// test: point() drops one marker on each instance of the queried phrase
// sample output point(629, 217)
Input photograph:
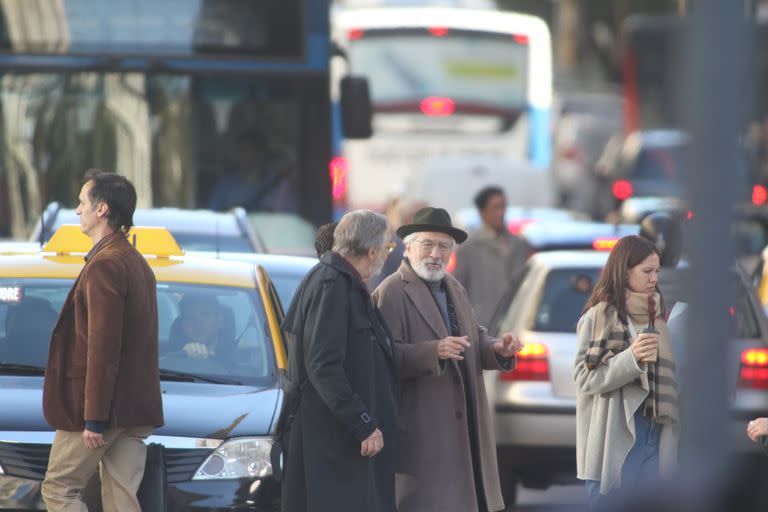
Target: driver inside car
point(203, 329)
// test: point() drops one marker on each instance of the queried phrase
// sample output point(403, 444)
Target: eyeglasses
point(390, 247)
point(427, 246)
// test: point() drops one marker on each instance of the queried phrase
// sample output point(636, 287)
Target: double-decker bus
point(201, 103)
point(444, 82)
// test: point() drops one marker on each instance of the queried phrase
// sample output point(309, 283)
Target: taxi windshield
point(217, 333)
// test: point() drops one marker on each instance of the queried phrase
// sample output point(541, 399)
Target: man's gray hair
point(359, 231)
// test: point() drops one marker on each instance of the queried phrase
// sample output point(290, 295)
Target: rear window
point(563, 298)
point(659, 164)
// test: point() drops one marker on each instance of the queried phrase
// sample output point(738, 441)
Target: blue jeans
point(641, 464)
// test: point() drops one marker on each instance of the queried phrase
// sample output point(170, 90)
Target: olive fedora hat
point(432, 219)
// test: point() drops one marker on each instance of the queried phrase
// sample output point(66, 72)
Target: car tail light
point(437, 106)
point(516, 226)
point(759, 195)
point(438, 31)
point(532, 364)
point(604, 244)
point(753, 372)
point(355, 33)
point(338, 169)
point(451, 266)
point(622, 189)
point(520, 38)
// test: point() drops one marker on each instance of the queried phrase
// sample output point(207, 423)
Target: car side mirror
point(356, 108)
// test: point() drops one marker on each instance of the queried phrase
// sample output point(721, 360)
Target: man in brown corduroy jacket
point(102, 387)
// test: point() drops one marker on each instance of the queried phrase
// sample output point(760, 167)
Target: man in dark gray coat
point(340, 453)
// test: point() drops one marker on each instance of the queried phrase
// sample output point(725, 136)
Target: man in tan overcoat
point(446, 446)
point(102, 387)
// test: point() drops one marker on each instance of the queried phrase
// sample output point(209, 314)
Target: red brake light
point(532, 364)
point(436, 106)
point(355, 33)
point(516, 226)
point(622, 189)
point(451, 266)
point(759, 195)
point(690, 215)
point(753, 372)
point(338, 169)
point(438, 31)
point(604, 244)
point(520, 38)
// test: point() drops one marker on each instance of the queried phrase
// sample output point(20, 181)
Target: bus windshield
point(480, 70)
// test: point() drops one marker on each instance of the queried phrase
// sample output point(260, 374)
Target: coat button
point(458, 415)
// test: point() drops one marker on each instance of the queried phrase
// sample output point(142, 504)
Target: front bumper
point(262, 495)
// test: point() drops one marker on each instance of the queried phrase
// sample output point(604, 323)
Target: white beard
point(428, 275)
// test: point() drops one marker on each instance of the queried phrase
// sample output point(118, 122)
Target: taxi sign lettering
point(10, 294)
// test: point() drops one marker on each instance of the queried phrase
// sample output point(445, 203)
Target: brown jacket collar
point(105, 242)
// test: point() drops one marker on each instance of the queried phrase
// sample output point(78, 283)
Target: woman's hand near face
point(645, 346)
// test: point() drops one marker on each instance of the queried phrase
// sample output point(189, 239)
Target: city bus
point(444, 81)
point(201, 103)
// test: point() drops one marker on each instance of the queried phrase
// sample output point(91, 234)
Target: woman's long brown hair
point(628, 252)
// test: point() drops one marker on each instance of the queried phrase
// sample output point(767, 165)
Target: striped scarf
point(610, 336)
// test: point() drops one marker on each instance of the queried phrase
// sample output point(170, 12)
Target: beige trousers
point(121, 461)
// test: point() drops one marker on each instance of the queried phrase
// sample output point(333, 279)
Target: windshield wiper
point(22, 368)
point(193, 377)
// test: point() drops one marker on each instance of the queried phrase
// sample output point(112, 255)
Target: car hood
point(199, 410)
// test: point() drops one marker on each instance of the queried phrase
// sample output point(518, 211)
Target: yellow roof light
point(68, 239)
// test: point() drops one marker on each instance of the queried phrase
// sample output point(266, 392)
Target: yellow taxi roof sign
point(148, 240)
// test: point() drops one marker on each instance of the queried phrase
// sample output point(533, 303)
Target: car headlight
point(245, 457)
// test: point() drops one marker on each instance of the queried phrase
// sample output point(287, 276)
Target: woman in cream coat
point(626, 412)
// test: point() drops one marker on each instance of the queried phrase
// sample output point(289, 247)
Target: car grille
point(28, 460)
point(25, 460)
point(180, 464)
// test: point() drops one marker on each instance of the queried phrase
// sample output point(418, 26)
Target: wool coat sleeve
point(326, 337)
point(106, 287)
point(411, 360)
point(617, 372)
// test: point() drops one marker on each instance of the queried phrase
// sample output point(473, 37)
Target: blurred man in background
point(490, 258)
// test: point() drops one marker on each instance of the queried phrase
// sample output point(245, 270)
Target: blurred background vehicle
point(643, 164)
point(284, 233)
point(452, 182)
point(516, 217)
point(225, 104)
point(583, 125)
point(557, 235)
point(444, 82)
point(194, 230)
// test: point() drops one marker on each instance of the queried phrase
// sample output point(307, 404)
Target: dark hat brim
point(455, 233)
